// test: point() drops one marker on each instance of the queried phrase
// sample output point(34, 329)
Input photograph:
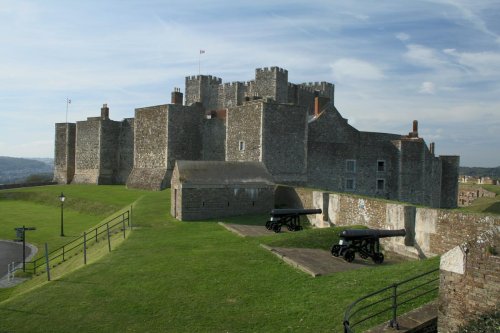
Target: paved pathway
point(13, 251)
point(249, 230)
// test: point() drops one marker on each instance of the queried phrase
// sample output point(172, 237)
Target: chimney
point(105, 112)
point(415, 128)
point(316, 103)
point(432, 147)
point(177, 96)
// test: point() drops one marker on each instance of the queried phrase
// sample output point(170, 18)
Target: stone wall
point(271, 83)
point(87, 151)
point(150, 148)
point(284, 142)
point(184, 134)
point(126, 150)
point(213, 139)
point(212, 202)
point(469, 281)
point(449, 184)
point(109, 152)
point(243, 132)
point(64, 153)
point(466, 196)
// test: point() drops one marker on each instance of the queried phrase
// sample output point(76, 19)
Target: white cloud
point(427, 88)
point(403, 36)
point(423, 56)
point(349, 68)
point(483, 63)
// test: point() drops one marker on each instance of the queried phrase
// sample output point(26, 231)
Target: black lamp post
point(62, 198)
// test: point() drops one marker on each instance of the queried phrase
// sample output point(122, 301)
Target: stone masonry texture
point(294, 129)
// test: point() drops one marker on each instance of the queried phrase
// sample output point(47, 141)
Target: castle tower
point(271, 83)
point(203, 89)
point(64, 153)
point(105, 112)
point(449, 181)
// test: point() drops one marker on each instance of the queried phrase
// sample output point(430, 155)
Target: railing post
point(47, 263)
point(123, 223)
point(63, 252)
point(393, 323)
point(109, 239)
point(84, 248)
point(96, 235)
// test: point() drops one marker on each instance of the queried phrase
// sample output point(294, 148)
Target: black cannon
point(365, 242)
point(288, 217)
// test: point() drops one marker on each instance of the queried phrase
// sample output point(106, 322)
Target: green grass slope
point(171, 276)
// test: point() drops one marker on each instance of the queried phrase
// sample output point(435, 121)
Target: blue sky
point(436, 61)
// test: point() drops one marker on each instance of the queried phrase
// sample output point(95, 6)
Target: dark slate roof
point(220, 172)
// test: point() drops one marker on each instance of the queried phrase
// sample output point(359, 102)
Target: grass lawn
point(171, 276)
point(485, 205)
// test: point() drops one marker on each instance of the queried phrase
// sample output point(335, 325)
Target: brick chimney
point(414, 133)
point(316, 103)
point(432, 147)
point(105, 112)
point(177, 96)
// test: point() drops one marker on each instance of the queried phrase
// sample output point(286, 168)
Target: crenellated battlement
point(210, 78)
point(233, 84)
point(273, 69)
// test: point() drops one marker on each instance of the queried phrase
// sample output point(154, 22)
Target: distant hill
point(15, 170)
point(481, 172)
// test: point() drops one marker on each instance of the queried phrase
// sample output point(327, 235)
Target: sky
point(392, 62)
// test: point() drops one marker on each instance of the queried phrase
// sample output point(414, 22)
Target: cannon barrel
point(371, 233)
point(283, 212)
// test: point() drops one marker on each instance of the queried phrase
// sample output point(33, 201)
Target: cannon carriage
point(365, 241)
point(289, 218)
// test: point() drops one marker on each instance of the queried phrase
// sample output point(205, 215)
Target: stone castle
point(294, 129)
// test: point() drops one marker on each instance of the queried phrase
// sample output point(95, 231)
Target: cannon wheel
point(349, 255)
point(291, 227)
point(269, 225)
point(276, 228)
point(335, 250)
point(378, 258)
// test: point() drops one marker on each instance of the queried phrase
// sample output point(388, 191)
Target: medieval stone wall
point(284, 141)
point(126, 150)
point(109, 152)
point(87, 151)
point(449, 185)
point(213, 139)
point(203, 203)
point(184, 134)
point(271, 83)
point(150, 148)
point(469, 281)
point(64, 153)
point(243, 132)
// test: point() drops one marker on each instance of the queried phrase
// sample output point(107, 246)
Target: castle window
point(380, 165)
point(241, 145)
point(350, 165)
point(380, 184)
point(350, 184)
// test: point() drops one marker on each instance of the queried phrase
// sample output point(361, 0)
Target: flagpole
point(67, 103)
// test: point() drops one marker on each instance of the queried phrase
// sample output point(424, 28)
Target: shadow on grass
point(494, 208)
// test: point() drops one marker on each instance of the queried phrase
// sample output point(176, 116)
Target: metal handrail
point(349, 314)
point(63, 250)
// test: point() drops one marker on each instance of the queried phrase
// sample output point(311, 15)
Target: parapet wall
point(470, 281)
point(430, 232)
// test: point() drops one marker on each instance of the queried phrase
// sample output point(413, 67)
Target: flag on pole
point(202, 51)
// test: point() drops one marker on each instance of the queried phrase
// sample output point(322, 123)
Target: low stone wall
point(9, 186)
point(429, 231)
point(469, 281)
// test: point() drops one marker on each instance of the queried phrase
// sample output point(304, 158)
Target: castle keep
point(295, 130)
